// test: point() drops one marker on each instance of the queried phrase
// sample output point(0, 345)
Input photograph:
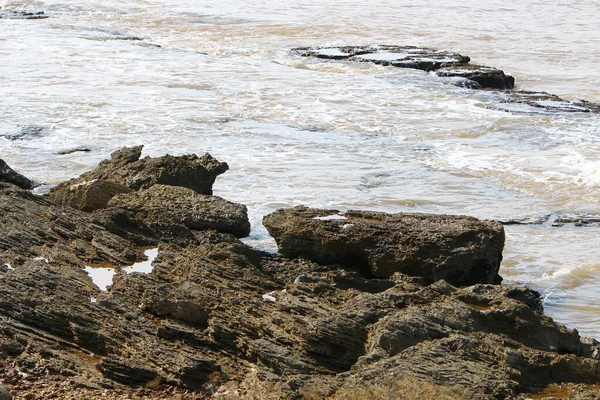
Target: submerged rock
point(7, 174)
point(22, 15)
point(126, 168)
point(540, 102)
point(23, 132)
point(461, 250)
point(397, 56)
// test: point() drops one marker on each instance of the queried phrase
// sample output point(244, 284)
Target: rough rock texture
point(33, 227)
point(7, 174)
point(218, 319)
point(161, 205)
point(88, 196)
point(461, 250)
point(126, 168)
point(397, 56)
point(478, 76)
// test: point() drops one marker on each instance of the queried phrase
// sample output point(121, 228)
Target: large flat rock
point(461, 250)
point(397, 56)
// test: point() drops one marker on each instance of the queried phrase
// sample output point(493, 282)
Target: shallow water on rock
point(182, 77)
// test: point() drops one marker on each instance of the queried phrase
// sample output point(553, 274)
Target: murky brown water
point(296, 130)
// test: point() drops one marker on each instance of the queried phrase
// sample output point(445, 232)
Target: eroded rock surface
point(126, 168)
point(461, 250)
point(32, 227)
point(88, 195)
point(215, 318)
point(161, 205)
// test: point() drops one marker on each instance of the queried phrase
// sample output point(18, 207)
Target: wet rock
point(23, 132)
point(397, 56)
point(478, 76)
point(461, 250)
point(540, 102)
point(74, 150)
point(126, 168)
point(161, 205)
point(22, 15)
point(87, 196)
point(7, 174)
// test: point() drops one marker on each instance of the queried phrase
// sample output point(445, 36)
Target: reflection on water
point(186, 78)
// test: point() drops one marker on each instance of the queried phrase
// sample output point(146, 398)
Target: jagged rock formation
point(216, 318)
point(127, 169)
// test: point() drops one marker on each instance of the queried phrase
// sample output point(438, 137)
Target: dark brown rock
point(397, 56)
point(162, 205)
point(87, 196)
point(34, 227)
point(219, 318)
point(126, 168)
point(7, 174)
point(540, 102)
point(461, 250)
point(478, 76)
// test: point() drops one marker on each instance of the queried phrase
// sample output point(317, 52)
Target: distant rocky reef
point(355, 302)
point(456, 67)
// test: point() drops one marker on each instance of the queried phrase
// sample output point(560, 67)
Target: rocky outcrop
point(127, 169)
point(162, 205)
point(397, 56)
point(540, 102)
point(7, 174)
point(460, 250)
point(460, 72)
point(478, 76)
point(215, 318)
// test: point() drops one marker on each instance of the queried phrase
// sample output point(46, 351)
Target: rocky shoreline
point(458, 69)
point(357, 304)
